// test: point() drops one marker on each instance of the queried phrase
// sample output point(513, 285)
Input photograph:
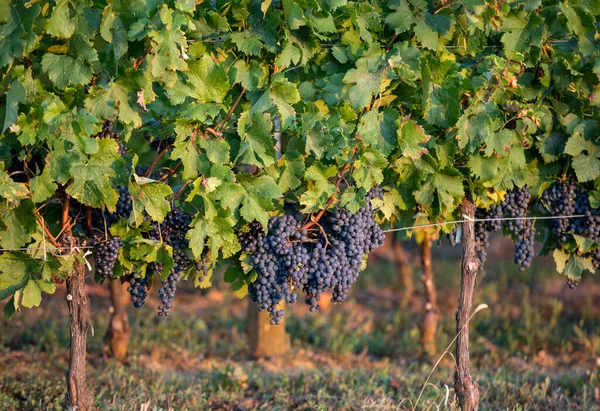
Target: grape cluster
point(573, 284)
point(107, 253)
point(138, 291)
point(516, 205)
point(167, 292)
point(173, 231)
point(201, 268)
point(123, 209)
point(289, 257)
point(483, 228)
point(566, 198)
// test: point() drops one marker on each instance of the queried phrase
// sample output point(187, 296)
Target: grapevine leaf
point(32, 293)
point(60, 24)
point(104, 103)
point(15, 95)
point(447, 189)
point(208, 80)
point(65, 71)
point(15, 270)
point(401, 19)
point(364, 84)
point(20, 224)
point(410, 137)
point(247, 42)
point(150, 198)
point(42, 186)
point(11, 190)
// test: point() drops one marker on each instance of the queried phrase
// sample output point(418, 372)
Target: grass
point(537, 348)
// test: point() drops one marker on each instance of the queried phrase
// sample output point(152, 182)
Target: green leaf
point(292, 170)
point(114, 101)
point(410, 137)
point(15, 95)
point(283, 94)
point(447, 189)
point(60, 24)
point(32, 294)
point(258, 200)
point(500, 143)
point(368, 170)
point(150, 198)
point(293, 14)
point(42, 186)
point(19, 224)
point(247, 42)
point(366, 84)
point(65, 71)
point(251, 76)
point(91, 179)
point(288, 56)
point(10, 309)
point(401, 19)
point(15, 270)
point(11, 190)
point(259, 145)
point(208, 81)
point(426, 35)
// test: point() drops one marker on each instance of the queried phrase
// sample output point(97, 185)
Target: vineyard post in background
point(465, 385)
point(118, 332)
point(404, 269)
point(430, 318)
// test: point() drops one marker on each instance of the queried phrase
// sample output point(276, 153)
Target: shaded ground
point(537, 346)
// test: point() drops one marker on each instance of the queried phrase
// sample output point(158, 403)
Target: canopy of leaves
point(431, 100)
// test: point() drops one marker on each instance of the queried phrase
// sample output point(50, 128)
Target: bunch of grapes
point(138, 291)
point(173, 231)
point(330, 257)
point(560, 201)
point(107, 253)
point(123, 209)
point(483, 228)
point(566, 198)
point(201, 266)
point(516, 205)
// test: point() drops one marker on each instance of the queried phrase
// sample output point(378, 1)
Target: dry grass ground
point(536, 347)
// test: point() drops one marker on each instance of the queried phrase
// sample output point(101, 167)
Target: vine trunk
point(465, 386)
point(79, 397)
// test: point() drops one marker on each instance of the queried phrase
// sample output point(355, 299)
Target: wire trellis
point(413, 227)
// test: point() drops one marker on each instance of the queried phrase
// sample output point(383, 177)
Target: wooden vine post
point(79, 397)
point(430, 319)
point(465, 386)
point(404, 269)
point(119, 332)
point(264, 339)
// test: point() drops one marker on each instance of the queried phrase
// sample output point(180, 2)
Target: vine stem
point(171, 172)
point(159, 155)
point(230, 112)
point(66, 226)
point(46, 230)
